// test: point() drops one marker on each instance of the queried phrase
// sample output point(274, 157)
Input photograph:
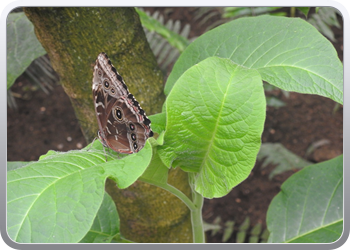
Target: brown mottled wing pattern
point(123, 124)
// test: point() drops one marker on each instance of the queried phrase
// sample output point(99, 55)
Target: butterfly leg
point(105, 152)
point(92, 143)
point(109, 152)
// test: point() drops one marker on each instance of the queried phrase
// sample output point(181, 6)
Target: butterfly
point(123, 124)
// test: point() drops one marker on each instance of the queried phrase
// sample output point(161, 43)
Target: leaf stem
point(174, 191)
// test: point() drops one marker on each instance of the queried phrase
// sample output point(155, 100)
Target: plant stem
point(195, 206)
point(292, 11)
point(196, 218)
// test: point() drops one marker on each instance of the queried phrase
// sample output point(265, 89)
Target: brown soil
point(45, 122)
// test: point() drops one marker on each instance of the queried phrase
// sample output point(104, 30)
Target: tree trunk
point(73, 37)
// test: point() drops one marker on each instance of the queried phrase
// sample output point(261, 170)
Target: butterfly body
point(123, 124)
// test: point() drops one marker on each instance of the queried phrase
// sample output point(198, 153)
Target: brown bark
point(73, 37)
point(152, 215)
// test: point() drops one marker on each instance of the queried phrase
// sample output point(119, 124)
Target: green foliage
point(304, 10)
point(242, 231)
point(264, 236)
point(152, 24)
point(167, 41)
point(291, 54)
point(228, 231)
point(277, 154)
point(24, 56)
point(274, 102)
point(309, 208)
point(12, 165)
point(213, 227)
point(106, 224)
point(211, 127)
point(324, 19)
point(215, 117)
point(235, 12)
point(254, 235)
point(22, 46)
point(156, 173)
point(57, 198)
point(158, 122)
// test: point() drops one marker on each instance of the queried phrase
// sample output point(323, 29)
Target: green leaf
point(304, 10)
point(156, 142)
point(288, 53)
point(242, 232)
point(173, 38)
point(12, 165)
point(214, 227)
point(158, 122)
point(245, 225)
point(309, 208)
point(324, 19)
point(277, 154)
point(253, 239)
point(215, 117)
point(106, 223)
point(264, 236)
point(129, 168)
point(240, 238)
point(22, 46)
point(254, 233)
point(228, 231)
point(256, 230)
point(156, 172)
point(56, 199)
point(46, 201)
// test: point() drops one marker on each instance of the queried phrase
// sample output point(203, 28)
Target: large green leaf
point(56, 199)
point(215, 117)
point(288, 53)
point(158, 122)
point(12, 165)
point(309, 208)
point(106, 223)
point(22, 46)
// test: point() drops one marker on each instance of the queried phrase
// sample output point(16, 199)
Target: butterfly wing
point(100, 111)
point(123, 124)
